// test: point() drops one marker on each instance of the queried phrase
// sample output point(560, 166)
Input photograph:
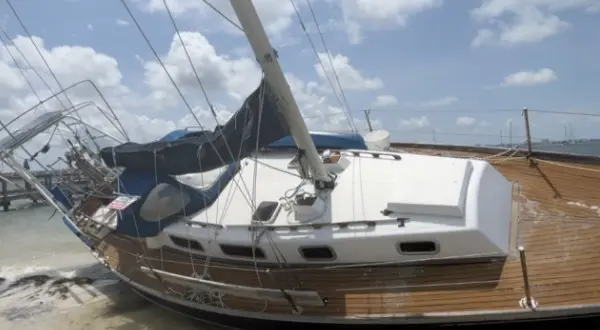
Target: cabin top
point(467, 201)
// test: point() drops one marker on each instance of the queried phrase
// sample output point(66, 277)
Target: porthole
point(418, 247)
point(243, 251)
point(317, 253)
point(186, 243)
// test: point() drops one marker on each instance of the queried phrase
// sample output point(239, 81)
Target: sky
point(430, 70)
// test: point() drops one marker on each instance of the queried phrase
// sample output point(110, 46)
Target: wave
point(30, 290)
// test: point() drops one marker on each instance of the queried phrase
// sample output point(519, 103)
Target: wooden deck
point(556, 220)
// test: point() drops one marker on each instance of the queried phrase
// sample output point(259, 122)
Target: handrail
point(78, 107)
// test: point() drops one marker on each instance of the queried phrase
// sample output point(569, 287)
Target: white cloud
point(376, 14)
point(441, 102)
point(318, 111)
point(525, 21)
point(306, 95)
point(227, 79)
point(90, 27)
point(466, 121)
point(484, 36)
point(350, 77)
point(69, 63)
point(529, 78)
point(122, 22)
point(10, 79)
point(414, 123)
point(237, 77)
point(276, 15)
point(333, 119)
point(384, 100)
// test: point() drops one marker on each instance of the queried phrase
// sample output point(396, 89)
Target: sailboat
point(326, 231)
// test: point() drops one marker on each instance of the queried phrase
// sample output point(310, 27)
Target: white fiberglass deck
point(463, 206)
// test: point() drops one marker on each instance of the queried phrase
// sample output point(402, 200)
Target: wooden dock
point(18, 189)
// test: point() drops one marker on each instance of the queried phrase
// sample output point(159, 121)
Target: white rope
point(578, 168)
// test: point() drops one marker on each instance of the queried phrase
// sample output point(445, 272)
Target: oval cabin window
point(317, 253)
point(243, 251)
point(421, 247)
point(186, 243)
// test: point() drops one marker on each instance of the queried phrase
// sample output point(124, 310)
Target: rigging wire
point(333, 70)
point(313, 47)
point(230, 195)
point(424, 111)
point(45, 83)
point(29, 64)
point(566, 112)
point(253, 195)
point(4, 39)
point(532, 110)
point(345, 107)
point(5, 128)
point(445, 110)
point(172, 80)
point(197, 76)
point(223, 15)
point(39, 52)
point(207, 261)
point(256, 235)
point(144, 257)
point(189, 59)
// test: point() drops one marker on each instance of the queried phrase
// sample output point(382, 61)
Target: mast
point(267, 58)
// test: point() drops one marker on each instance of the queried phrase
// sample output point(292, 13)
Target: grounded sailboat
point(432, 235)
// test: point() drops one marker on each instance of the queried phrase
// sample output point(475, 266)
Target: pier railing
point(14, 188)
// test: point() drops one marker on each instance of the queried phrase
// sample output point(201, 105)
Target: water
point(49, 280)
point(583, 148)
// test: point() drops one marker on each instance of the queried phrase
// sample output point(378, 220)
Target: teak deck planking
point(556, 219)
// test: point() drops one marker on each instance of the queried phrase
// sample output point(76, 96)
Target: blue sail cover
point(325, 140)
point(207, 150)
point(150, 167)
point(131, 221)
point(322, 140)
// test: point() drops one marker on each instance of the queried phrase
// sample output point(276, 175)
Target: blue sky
point(440, 69)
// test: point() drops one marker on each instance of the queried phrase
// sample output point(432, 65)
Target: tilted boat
point(435, 234)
